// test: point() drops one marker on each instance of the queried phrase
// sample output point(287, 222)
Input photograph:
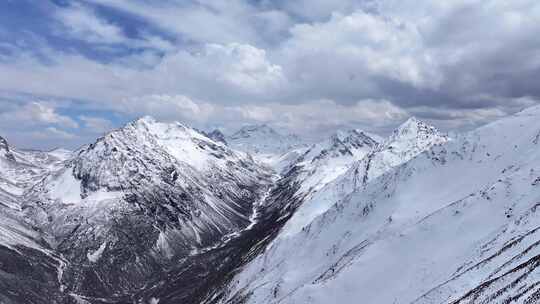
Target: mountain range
point(159, 212)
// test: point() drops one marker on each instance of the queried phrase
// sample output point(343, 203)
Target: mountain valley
point(159, 212)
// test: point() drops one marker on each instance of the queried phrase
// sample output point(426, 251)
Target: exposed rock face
point(128, 206)
point(4, 150)
point(217, 136)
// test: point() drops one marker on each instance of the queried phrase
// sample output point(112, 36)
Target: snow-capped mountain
point(5, 152)
point(163, 213)
point(457, 223)
point(407, 141)
point(127, 206)
point(264, 143)
point(20, 169)
point(344, 175)
point(29, 267)
point(326, 160)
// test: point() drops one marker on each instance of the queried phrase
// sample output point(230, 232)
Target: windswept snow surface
point(458, 223)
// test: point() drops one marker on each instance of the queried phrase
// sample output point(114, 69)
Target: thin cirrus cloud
point(338, 64)
point(82, 23)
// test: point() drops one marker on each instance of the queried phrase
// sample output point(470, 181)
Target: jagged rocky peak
point(328, 159)
point(254, 130)
point(415, 127)
point(156, 127)
point(355, 138)
point(4, 149)
point(351, 142)
point(414, 134)
point(165, 186)
point(410, 139)
point(217, 136)
point(4, 144)
point(146, 143)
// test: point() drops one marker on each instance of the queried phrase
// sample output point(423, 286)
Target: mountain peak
point(4, 149)
point(148, 124)
point(413, 136)
point(415, 129)
point(217, 136)
point(354, 138)
point(147, 119)
point(255, 130)
point(4, 144)
point(379, 139)
point(414, 123)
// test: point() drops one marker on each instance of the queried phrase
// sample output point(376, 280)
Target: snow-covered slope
point(309, 169)
point(407, 141)
point(325, 161)
point(128, 205)
point(29, 268)
point(342, 175)
point(20, 169)
point(458, 223)
point(263, 143)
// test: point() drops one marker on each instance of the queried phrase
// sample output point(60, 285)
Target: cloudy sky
point(71, 70)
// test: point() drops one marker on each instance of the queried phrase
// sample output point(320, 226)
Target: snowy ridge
point(348, 173)
point(455, 224)
point(408, 140)
point(327, 160)
point(166, 185)
point(20, 169)
point(31, 270)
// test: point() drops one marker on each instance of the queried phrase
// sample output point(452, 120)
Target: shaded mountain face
point(217, 136)
point(129, 205)
point(456, 223)
point(4, 150)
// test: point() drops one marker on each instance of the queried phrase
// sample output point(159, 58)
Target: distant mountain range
point(163, 213)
